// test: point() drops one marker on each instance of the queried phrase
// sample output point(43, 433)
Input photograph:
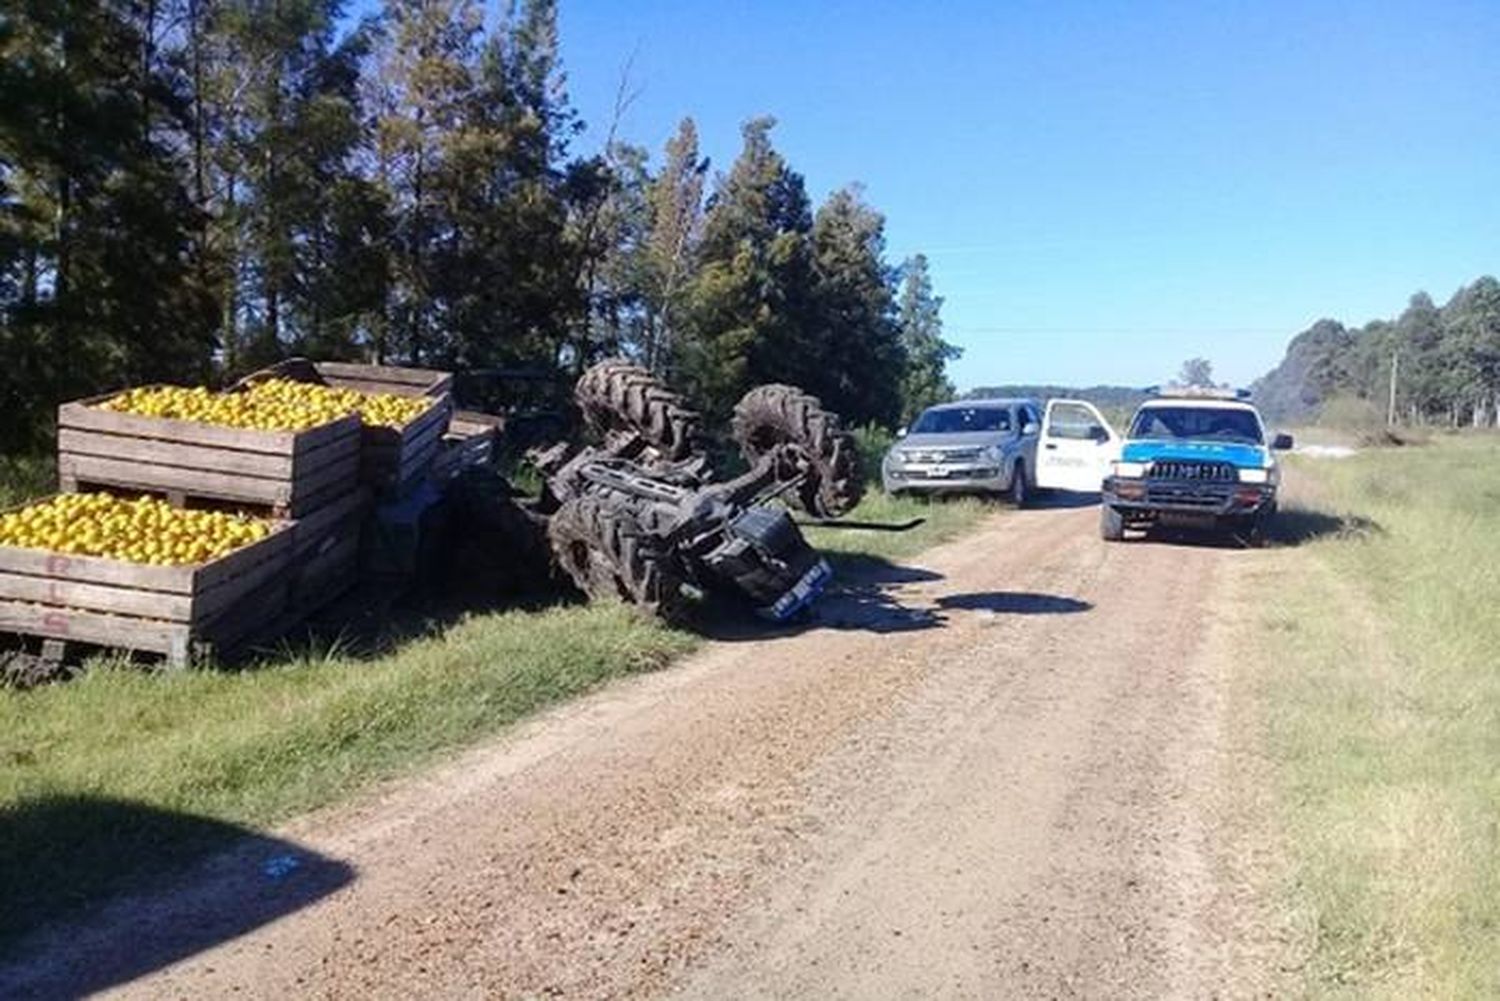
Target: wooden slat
point(315, 438)
point(274, 547)
point(96, 570)
point(82, 416)
point(423, 377)
point(265, 604)
point(464, 423)
point(224, 598)
point(323, 577)
point(342, 515)
point(344, 468)
point(199, 482)
point(116, 631)
point(96, 597)
point(71, 441)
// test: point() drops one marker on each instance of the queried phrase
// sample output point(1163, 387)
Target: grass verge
point(1380, 701)
point(945, 519)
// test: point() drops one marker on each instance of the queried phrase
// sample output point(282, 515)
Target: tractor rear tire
point(604, 551)
point(773, 415)
point(618, 395)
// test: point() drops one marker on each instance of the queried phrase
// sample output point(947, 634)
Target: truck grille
point(1190, 471)
point(1204, 495)
point(943, 455)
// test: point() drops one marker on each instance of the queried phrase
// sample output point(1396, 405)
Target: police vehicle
point(1194, 457)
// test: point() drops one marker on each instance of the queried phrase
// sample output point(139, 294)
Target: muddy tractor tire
point(602, 549)
point(773, 415)
point(618, 396)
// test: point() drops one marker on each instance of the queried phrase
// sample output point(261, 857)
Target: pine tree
point(751, 301)
point(97, 233)
point(927, 355)
point(859, 360)
point(675, 205)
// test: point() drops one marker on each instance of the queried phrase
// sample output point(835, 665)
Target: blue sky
point(1104, 189)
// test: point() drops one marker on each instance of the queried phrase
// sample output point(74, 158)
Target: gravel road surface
point(999, 771)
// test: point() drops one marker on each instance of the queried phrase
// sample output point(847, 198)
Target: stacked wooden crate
point(392, 460)
point(290, 473)
point(180, 612)
point(318, 486)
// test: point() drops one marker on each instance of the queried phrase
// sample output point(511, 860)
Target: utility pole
point(1390, 412)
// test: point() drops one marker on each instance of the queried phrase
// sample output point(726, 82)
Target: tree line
point(190, 189)
point(1446, 362)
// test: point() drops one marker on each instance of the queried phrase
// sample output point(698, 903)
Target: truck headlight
point(1128, 470)
point(1255, 476)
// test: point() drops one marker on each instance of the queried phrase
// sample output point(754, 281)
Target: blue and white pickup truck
point(1196, 458)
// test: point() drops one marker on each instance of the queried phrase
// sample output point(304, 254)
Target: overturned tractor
point(641, 515)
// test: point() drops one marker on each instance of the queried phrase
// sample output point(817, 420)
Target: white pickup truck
point(1011, 447)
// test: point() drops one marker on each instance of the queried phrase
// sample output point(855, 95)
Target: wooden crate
point(385, 378)
point(290, 472)
point(472, 440)
point(325, 553)
point(393, 459)
point(183, 613)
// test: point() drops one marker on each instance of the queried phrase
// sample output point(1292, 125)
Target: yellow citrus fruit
point(140, 530)
point(270, 405)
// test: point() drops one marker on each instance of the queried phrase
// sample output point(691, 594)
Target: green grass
point(1380, 691)
point(944, 519)
point(249, 748)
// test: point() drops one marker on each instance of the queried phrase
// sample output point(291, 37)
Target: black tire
point(1111, 524)
point(1250, 531)
point(773, 415)
point(618, 395)
point(1020, 494)
point(602, 549)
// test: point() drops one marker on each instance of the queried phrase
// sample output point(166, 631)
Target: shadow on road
point(83, 858)
point(1292, 526)
point(867, 598)
point(1064, 500)
point(1014, 603)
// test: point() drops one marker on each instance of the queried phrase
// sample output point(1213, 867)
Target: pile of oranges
point(270, 405)
point(141, 530)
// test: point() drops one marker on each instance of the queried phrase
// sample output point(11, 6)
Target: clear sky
point(1104, 189)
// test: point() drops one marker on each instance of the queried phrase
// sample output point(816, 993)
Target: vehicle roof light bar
point(1198, 392)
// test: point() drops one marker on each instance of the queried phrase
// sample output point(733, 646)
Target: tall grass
point(1382, 693)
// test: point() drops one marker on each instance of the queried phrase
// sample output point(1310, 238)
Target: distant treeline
point(192, 188)
point(1446, 359)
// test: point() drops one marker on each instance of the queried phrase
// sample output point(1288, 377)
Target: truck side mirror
point(1282, 443)
point(1098, 434)
point(1030, 427)
point(901, 432)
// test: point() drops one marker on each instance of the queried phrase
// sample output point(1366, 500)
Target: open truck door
point(1076, 447)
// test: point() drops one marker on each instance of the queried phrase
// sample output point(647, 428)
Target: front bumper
point(1148, 497)
point(973, 477)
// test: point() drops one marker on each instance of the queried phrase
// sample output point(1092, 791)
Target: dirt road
point(1000, 772)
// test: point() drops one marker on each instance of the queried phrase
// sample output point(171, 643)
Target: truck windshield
point(952, 420)
point(1197, 422)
